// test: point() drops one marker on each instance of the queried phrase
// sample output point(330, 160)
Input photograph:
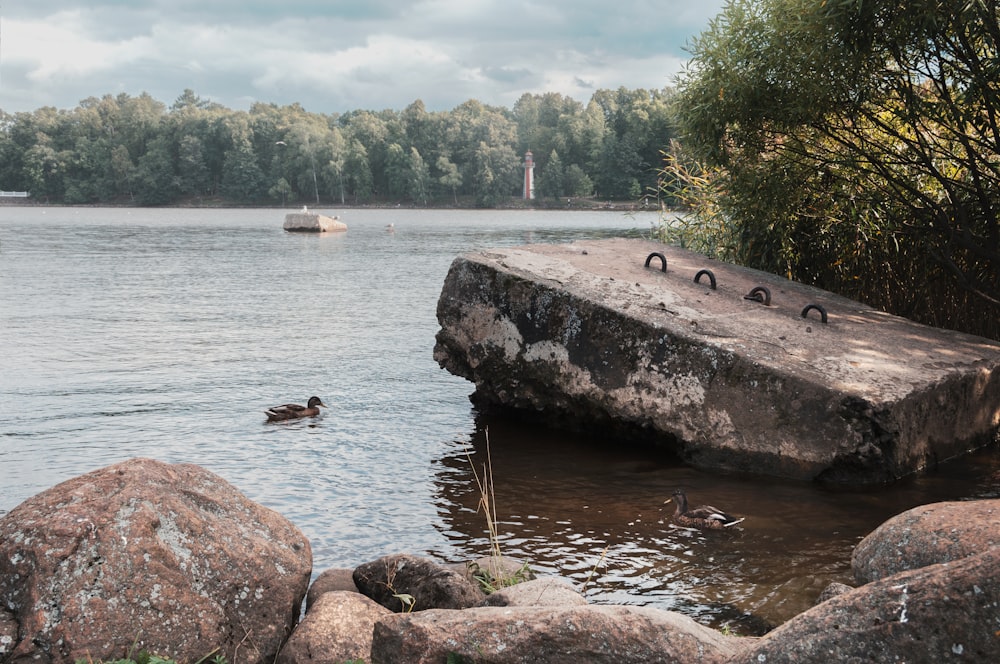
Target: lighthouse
point(529, 176)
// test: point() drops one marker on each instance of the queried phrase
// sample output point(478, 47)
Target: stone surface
point(170, 558)
point(330, 580)
point(939, 613)
point(309, 222)
point(432, 586)
point(546, 591)
point(587, 335)
point(833, 590)
point(337, 629)
point(592, 634)
point(925, 535)
point(493, 567)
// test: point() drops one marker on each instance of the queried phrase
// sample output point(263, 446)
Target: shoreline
point(577, 205)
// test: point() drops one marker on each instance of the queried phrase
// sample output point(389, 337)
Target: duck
point(293, 411)
point(704, 517)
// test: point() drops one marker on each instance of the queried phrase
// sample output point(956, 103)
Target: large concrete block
point(588, 335)
point(309, 222)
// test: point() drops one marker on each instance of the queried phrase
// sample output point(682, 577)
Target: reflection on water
point(167, 333)
point(594, 512)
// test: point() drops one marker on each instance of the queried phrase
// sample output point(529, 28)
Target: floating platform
point(732, 369)
point(310, 222)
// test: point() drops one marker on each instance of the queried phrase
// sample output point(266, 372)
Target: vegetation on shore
point(851, 145)
point(121, 148)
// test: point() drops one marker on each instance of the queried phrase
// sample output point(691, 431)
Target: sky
point(335, 56)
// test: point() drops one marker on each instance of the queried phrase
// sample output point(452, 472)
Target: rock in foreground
point(587, 335)
point(170, 558)
point(927, 535)
point(939, 613)
point(594, 634)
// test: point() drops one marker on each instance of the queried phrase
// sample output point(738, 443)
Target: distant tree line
point(136, 149)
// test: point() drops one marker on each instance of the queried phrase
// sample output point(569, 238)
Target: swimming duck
point(704, 516)
point(292, 411)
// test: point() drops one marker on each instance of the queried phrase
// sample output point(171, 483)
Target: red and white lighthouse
point(529, 176)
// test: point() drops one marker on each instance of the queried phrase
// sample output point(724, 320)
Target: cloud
point(339, 55)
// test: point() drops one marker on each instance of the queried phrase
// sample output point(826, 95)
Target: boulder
point(938, 613)
point(432, 586)
point(487, 570)
point(329, 581)
point(593, 634)
point(593, 336)
point(926, 535)
point(833, 590)
point(167, 558)
point(337, 629)
point(546, 591)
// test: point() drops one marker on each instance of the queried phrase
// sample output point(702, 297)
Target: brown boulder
point(329, 581)
point(927, 535)
point(337, 629)
point(593, 634)
point(547, 591)
point(832, 590)
point(430, 585)
point(170, 558)
point(932, 614)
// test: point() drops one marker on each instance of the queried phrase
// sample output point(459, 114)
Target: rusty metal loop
point(657, 254)
point(760, 294)
point(711, 278)
point(819, 308)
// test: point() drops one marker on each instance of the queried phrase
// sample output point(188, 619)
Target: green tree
point(191, 166)
point(359, 174)
point(242, 179)
point(450, 177)
point(577, 182)
point(418, 178)
point(495, 174)
point(281, 190)
point(842, 140)
point(157, 182)
point(123, 169)
point(44, 166)
point(551, 177)
point(397, 169)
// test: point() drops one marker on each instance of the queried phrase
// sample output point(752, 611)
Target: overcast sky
point(339, 55)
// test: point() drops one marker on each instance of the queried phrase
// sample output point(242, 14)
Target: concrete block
point(587, 335)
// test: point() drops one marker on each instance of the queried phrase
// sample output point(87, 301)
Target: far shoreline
point(567, 205)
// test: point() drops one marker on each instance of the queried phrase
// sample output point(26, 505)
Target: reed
point(498, 575)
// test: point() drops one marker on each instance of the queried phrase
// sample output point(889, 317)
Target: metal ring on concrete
point(760, 294)
point(820, 309)
point(657, 254)
point(711, 277)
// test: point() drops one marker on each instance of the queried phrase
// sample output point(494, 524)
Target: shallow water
point(166, 333)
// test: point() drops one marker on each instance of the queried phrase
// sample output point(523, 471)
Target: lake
point(166, 333)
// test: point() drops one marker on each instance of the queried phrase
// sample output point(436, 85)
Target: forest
point(136, 150)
